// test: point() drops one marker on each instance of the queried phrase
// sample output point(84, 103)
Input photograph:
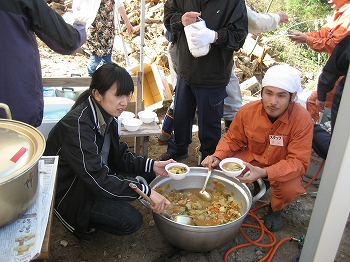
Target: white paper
point(22, 240)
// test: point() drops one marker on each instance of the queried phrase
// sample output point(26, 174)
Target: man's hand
point(202, 36)
point(298, 37)
point(320, 105)
point(189, 18)
point(210, 161)
point(255, 174)
point(283, 17)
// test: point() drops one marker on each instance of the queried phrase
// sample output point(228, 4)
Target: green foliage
point(304, 16)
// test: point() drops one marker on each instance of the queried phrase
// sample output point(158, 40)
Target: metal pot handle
point(143, 201)
point(261, 192)
point(262, 188)
point(7, 110)
point(68, 88)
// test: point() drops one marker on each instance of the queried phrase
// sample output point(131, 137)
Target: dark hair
point(104, 77)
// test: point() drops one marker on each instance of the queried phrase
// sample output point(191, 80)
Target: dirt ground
point(149, 245)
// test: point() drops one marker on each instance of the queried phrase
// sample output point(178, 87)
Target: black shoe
point(175, 156)
point(90, 233)
point(273, 220)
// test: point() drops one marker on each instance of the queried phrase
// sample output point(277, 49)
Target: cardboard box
point(155, 86)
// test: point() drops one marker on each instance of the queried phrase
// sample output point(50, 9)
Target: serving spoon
point(181, 219)
point(204, 195)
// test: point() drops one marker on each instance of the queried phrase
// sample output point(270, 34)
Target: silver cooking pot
point(204, 238)
point(21, 147)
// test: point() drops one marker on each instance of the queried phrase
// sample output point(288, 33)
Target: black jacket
point(229, 19)
point(82, 173)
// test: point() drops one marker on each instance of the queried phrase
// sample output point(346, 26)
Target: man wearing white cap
point(273, 136)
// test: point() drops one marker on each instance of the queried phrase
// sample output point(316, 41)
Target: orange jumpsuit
point(325, 40)
point(248, 139)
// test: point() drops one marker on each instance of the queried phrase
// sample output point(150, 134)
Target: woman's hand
point(160, 203)
point(159, 167)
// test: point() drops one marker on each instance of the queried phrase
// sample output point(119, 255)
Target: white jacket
point(259, 22)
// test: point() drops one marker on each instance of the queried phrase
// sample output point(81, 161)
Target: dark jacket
point(229, 19)
point(77, 139)
point(20, 70)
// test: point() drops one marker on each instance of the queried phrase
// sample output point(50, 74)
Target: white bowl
point(225, 161)
point(132, 124)
point(126, 114)
point(147, 116)
point(174, 175)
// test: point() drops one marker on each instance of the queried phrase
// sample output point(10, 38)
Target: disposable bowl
point(177, 175)
point(147, 116)
point(132, 124)
point(229, 173)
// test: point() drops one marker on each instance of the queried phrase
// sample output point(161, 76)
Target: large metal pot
point(21, 147)
point(204, 238)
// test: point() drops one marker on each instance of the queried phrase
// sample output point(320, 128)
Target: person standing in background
point(202, 81)
point(20, 75)
point(325, 40)
point(101, 32)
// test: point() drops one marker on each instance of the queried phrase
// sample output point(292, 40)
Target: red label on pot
point(18, 155)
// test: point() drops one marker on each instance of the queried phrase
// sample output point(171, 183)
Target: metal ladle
point(181, 219)
point(204, 195)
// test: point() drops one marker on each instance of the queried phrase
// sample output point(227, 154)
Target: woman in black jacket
point(95, 168)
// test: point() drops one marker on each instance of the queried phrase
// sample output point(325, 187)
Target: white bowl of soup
point(177, 170)
point(232, 166)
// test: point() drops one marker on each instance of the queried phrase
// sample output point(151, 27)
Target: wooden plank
point(72, 81)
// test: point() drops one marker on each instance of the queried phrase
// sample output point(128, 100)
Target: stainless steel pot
point(21, 147)
point(204, 238)
point(70, 92)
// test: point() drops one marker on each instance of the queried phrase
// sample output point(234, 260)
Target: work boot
point(175, 156)
point(163, 139)
point(273, 220)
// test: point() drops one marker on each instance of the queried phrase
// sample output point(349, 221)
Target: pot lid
point(21, 147)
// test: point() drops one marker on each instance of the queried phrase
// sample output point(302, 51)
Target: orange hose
point(316, 175)
point(272, 247)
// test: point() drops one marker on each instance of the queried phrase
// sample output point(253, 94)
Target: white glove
point(81, 10)
point(202, 36)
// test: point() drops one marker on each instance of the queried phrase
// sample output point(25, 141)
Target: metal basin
point(203, 238)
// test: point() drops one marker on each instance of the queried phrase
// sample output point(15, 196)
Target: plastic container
point(196, 52)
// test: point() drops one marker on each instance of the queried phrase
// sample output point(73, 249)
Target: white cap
point(284, 77)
